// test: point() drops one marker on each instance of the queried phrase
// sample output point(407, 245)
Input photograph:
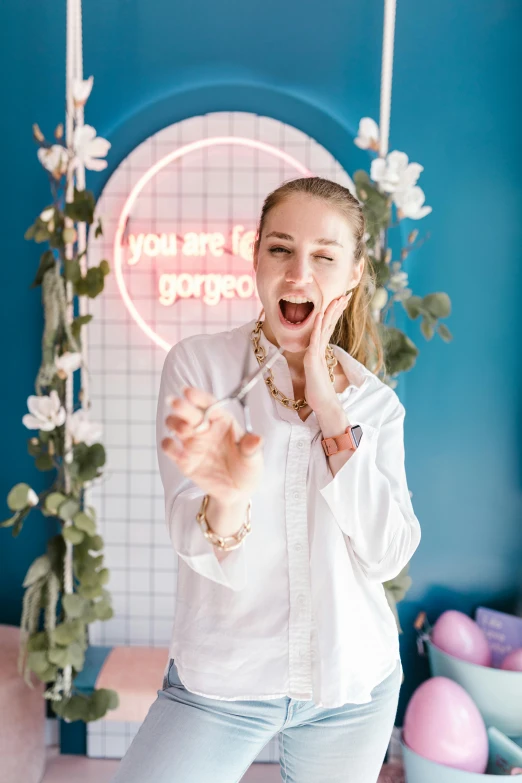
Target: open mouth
point(295, 314)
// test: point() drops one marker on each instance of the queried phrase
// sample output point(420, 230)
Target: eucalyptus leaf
point(81, 208)
point(445, 333)
point(84, 522)
point(34, 449)
point(74, 605)
point(77, 324)
point(427, 328)
point(44, 462)
point(53, 501)
point(17, 498)
point(438, 305)
point(72, 534)
point(90, 591)
point(400, 352)
point(95, 543)
point(38, 663)
point(72, 270)
point(73, 655)
point(68, 632)
point(68, 509)
point(37, 570)
point(101, 701)
point(413, 306)
point(37, 642)
point(75, 708)
point(19, 520)
point(9, 522)
point(103, 610)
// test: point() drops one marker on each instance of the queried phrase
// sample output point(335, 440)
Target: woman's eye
point(285, 250)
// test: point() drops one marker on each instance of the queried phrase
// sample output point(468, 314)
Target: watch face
point(357, 434)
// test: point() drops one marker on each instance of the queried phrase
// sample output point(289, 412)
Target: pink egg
point(513, 661)
point(457, 634)
point(442, 723)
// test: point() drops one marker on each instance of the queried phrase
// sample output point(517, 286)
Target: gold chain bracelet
point(224, 543)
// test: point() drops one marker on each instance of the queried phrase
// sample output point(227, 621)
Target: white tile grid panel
point(210, 190)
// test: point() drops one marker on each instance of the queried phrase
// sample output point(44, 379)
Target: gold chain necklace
point(260, 354)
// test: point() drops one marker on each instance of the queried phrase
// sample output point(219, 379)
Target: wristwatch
point(350, 439)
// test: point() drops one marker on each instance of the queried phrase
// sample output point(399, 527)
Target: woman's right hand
point(223, 460)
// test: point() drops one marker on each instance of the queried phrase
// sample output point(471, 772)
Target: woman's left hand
point(319, 390)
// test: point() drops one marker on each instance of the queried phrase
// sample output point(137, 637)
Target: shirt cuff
point(370, 501)
point(191, 545)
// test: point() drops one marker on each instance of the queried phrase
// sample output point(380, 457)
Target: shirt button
point(300, 444)
point(296, 495)
point(298, 547)
point(301, 599)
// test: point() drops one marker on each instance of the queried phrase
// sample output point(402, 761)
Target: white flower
point(394, 172)
point(54, 159)
point(32, 498)
point(67, 363)
point(81, 90)
point(379, 299)
point(47, 214)
point(82, 430)
point(410, 202)
point(398, 281)
point(401, 296)
point(46, 412)
point(89, 148)
point(368, 135)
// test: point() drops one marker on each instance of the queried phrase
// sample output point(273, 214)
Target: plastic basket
point(418, 769)
point(496, 692)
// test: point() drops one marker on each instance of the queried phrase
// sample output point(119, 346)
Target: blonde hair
point(356, 331)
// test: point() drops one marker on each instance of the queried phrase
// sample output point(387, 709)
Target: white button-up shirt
point(299, 608)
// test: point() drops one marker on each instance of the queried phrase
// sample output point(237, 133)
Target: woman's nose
point(299, 270)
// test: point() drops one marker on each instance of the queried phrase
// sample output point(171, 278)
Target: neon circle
point(138, 187)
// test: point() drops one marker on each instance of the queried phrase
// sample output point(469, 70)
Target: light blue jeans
point(187, 738)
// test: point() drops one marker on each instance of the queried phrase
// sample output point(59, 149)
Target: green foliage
point(87, 708)
point(81, 208)
point(87, 461)
point(58, 606)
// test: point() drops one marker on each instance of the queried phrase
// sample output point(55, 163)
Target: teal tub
point(417, 769)
point(497, 693)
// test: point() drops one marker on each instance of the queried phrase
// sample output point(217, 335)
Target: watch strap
point(342, 442)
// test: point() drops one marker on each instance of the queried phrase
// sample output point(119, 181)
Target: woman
point(285, 629)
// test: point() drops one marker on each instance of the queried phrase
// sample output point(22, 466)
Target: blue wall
point(456, 109)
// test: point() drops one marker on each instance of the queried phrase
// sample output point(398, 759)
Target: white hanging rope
point(74, 118)
point(386, 75)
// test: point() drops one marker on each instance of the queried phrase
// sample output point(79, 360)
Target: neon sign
point(210, 287)
point(192, 244)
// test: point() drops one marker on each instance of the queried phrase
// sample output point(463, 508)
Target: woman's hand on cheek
point(319, 390)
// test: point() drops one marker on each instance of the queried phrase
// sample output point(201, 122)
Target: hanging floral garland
point(65, 587)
